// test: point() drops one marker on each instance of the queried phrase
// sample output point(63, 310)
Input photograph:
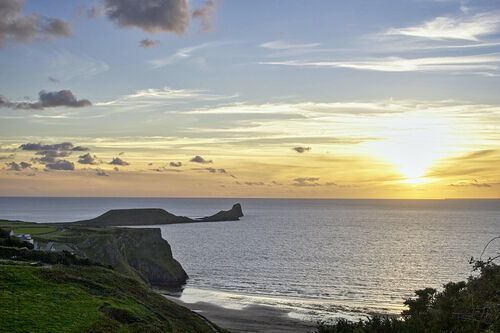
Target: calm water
point(317, 258)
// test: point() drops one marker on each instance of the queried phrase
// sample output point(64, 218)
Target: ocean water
point(318, 259)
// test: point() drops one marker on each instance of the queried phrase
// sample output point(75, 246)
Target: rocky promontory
point(154, 216)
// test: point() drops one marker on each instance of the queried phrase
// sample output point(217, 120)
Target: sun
point(413, 144)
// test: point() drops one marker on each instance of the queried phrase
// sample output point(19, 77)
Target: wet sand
point(253, 318)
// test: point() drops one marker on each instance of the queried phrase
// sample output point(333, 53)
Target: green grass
point(15, 223)
point(34, 230)
point(86, 299)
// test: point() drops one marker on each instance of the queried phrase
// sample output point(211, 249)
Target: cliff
point(141, 253)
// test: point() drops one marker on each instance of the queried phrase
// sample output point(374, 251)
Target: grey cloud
point(48, 100)
point(205, 14)
point(87, 159)
point(310, 181)
point(18, 167)
point(199, 159)
point(53, 153)
point(175, 164)
point(64, 146)
point(118, 161)
point(14, 166)
point(53, 79)
point(301, 149)
point(101, 173)
point(18, 28)
point(474, 183)
point(147, 43)
point(94, 11)
point(60, 165)
point(254, 183)
point(150, 15)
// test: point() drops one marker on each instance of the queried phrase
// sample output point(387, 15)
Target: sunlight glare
point(413, 144)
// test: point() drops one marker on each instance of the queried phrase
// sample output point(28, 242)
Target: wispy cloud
point(161, 96)
point(486, 62)
point(284, 45)
point(182, 54)
point(465, 27)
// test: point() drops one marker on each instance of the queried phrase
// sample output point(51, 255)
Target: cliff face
point(141, 253)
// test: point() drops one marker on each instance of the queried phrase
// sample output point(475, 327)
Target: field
point(34, 230)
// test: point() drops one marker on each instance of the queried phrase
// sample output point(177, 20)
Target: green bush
point(463, 307)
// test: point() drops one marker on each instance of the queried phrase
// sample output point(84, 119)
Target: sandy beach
point(253, 318)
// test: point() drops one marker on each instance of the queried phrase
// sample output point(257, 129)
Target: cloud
point(64, 146)
point(101, 173)
point(53, 80)
point(463, 27)
point(284, 45)
point(478, 154)
point(181, 54)
point(148, 97)
point(152, 16)
point(15, 27)
point(474, 183)
point(480, 62)
point(254, 183)
point(147, 43)
point(7, 157)
point(87, 159)
point(94, 11)
point(199, 159)
point(13, 166)
point(48, 100)
point(310, 181)
point(60, 165)
point(205, 14)
point(175, 164)
point(118, 161)
point(301, 149)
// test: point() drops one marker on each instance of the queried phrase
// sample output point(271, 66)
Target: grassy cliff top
point(86, 299)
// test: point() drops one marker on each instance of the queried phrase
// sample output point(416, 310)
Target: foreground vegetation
point(61, 292)
point(463, 307)
point(86, 299)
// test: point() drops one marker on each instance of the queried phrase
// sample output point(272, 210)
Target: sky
point(264, 98)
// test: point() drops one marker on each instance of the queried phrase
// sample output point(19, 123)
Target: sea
point(318, 259)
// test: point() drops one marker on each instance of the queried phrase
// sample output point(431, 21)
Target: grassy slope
point(86, 299)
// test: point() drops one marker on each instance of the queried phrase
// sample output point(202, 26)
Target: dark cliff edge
point(155, 216)
point(140, 253)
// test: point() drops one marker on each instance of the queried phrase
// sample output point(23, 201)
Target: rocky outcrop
point(233, 214)
point(155, 216)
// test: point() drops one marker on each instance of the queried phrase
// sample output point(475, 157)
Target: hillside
point(87, 299)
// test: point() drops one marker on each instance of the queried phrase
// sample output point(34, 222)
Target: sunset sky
point(264, 98)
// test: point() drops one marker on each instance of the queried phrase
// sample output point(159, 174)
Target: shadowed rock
point(233, 214)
